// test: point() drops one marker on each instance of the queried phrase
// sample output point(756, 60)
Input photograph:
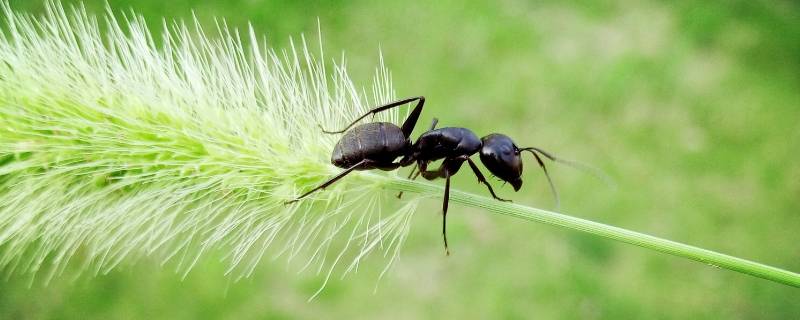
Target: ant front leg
point(481, 178)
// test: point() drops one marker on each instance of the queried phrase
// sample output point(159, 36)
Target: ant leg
point(433, 174)
point(482, 179)
point(444, 210)
point(541, 164)
point(411, 175)
point(449, 166)
point(413, 116)
point(411, 121)
point(332, 180)
point(415, 175)
point(433, 124)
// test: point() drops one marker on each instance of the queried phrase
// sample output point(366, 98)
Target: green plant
point(116, 145)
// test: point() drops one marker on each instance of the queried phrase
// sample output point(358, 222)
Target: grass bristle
point(116, 145)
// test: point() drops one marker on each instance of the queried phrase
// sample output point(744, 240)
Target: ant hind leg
point(411, 121)
point(332, 180)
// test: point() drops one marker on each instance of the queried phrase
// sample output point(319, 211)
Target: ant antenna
point(541, 164)
point(592, 170)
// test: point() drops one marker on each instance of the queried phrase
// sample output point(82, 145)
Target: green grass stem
point(708, 257)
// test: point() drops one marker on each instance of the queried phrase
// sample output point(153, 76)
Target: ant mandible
point(376, 145)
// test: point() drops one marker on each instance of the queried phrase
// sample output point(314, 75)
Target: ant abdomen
point(360, 143)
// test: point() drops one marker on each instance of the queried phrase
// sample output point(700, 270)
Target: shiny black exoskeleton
point(455, 146)
point(504, 160)
point(374, 145)
point(353, 148)
point(377, 145)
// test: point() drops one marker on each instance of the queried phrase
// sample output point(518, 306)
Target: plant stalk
point(708, 257)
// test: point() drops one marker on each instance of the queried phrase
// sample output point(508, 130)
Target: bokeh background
point(692, 107)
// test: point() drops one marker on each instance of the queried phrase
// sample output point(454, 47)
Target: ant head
point(502, 157)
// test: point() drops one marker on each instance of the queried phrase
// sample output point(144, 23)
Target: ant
point(376, 145)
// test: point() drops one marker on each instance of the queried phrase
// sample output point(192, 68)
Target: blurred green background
point(692, 107)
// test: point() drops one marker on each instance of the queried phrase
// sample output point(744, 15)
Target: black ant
point(376, 145)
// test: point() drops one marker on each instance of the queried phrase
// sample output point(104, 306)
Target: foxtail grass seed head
point(116, 144)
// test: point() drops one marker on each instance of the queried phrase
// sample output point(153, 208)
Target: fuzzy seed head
point(117, 145)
